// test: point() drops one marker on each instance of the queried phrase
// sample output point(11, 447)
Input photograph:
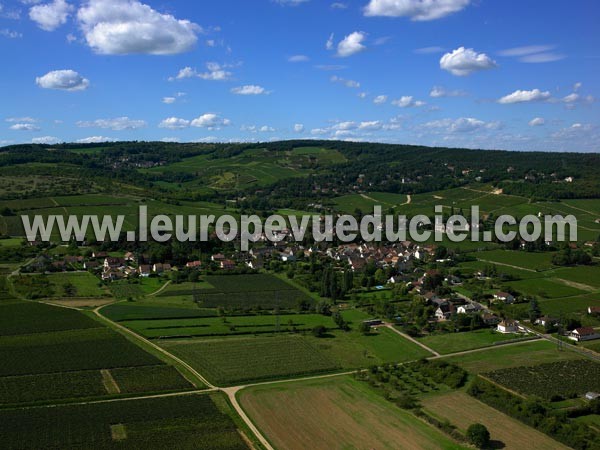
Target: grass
point(528, 353)
point(86, 284)
point(458, 342)
point(352, 350)
point(335, 413)
point(462, 410)
point(236, 360)
point(521, 259)
point(145, 311)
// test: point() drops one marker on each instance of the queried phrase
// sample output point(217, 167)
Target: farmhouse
point(584, 334)
point(444, 311)
point(194, 264)
point(508, 326)
point(468, 308)
point(504, 297)
point(227, 264)
point(546, 321)
point(594, 310)
point(592, 396)
point(145, 270)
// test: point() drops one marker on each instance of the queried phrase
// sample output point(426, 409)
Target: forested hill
point(305, 168)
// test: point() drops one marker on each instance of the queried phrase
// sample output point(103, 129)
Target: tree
point(534, 310)
point(364, 328)
point(478, 435)
point(319, 331)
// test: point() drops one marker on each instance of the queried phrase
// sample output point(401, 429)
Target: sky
point(484, 74)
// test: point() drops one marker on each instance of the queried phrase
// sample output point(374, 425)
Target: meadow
point(445, 343)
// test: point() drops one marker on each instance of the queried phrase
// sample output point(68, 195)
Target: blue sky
point(475, 73)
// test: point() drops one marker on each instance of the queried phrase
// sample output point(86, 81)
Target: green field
point(189, 421)
point(520, 259)
point(527, 353)
point(458, 342)
point(85, 284)
point(236, 360)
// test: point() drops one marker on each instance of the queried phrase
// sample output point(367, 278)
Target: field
point(146, 310)
point(293, 416)
point(236, 360)
point(519, 259)
point(189, 421)
point(548, 380)
point(85, 284)
point(503, 357)
point(458, 342)
point(463, 410)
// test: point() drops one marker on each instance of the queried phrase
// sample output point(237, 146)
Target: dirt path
point(109, 382)
point(406, 336)
point(573, 284)
point(507, 265)
point(158, 291)
point(483, 349)
point(154, 346)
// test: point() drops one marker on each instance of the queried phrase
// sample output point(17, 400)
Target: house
point(508, 326)
point(112, 275)
point(490, 319)
point(160, 268)
point(218, 257)
point(256, 264)
point(468, 308)
point(584, 334)
point(546, 321)
point(286, 257)
point(373, 322)
point(504, 297)
point(194, 264)
point(592, 396)
point(113, 263)
point(444, 312)
point(227, 264)
point(145, 270)
point(87, 265)
point(594, 310)
point(99, 255)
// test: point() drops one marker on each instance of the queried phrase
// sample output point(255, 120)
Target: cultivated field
point(463, 410)
point(468, 340)
point(335, 413)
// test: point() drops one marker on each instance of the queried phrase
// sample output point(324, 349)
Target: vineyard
point(191, 421)
point(548, 380)
point(136, 311)
point(149, 379)
point(230, 361)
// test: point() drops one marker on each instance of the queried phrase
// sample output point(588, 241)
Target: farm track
point(508, 265)
point(159, 290)
point(414, 341)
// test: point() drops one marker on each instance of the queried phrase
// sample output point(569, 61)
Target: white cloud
point(45, 140)
point(408, 101)
point(170, 139)
point(10, 34)
point(521, 96)
point(339, 5)
point(298, 58)
point(169, 100)
point(348, 83)
point(362, 95)
point(462, 125)
point(24, 127)
point(380, 99)
point(464, 61)
point(439, 92)
point(250, 89)
point(290, 2)
point(95, 140)
point(329, 44)
point(577, 86)
point(533, 53)
point(210, 121)
point(215, 72)
point(116, 124)
point(571, 98)
point(119, 27)
point(50, 16)
point(537, 121)
point(299, 128)
point(351, 44)
point(66, 80)
point(20, 119)
point(418, 10)
point(257, 129)
point(174, 123)
point(542, 58)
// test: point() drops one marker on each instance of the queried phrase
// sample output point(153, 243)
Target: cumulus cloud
point(50, 16)
point(408, 101)
point(464, 61)
point(521, 96)
point(351, 44)
point(119, 27)
point(418, 10)
point(45, 140)
point(210, 121)
point(174, 123)
point(250, 89)
point(380, 99)
point(116, 124)
point(348, 83)
point(66, 80)
point(299, 128)
point(215, 72)
point(298, 58)
point(461, 125)
point(24, 127)
point(439, 92)
point(537, 121)
point(95, 140)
